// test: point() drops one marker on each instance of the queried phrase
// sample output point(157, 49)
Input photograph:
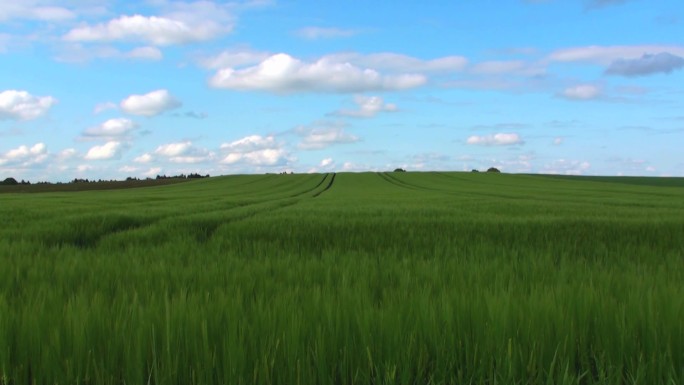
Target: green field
point(371, 278)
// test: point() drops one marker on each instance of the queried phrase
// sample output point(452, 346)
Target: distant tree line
point(183, 176)
point(13, 182)
point(491, 169)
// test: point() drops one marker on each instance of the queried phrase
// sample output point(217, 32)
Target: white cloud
point(108, 150)
point(66, 154)
point(313, 33)
point(102, 107)
point(265, 157)
point(605, 55)
point(112, 128)
point(25, 156)
point(327, 162)
point(394, 62)
point(558, 141)
point(173, 149)
point(283, 73)
point(322, 135)
point(500, 139)
point(24, 151)
point(187, 23)
point(20, 105)
point(152, 171)
point(368, 106)
point(255, 150)
point(144, 158)
point(250, 143)
point(180, 152)
point(151, 104)
point(581, 92)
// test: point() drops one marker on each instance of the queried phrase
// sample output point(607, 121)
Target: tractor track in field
point(314, 188)
point(202, 229)
point(206, 229)
point(332, 180)
point(397, 182)
point(211, 230)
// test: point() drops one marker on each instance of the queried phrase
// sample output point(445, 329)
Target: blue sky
point(111, 89)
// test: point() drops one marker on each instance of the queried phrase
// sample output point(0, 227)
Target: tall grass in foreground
point(416, 281)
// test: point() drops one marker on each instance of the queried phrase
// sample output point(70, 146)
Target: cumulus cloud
point(265, 157)
point(327, 162)
point(314, 33)
point(109, 150)
point(255, 150)
point(663, 62)
point(20, 105)
point(500, 139)
point(250, 143)
point(112, 128)
point(322, 135)
point(144, 158)
point(183, 23)
point(180, 152)
point(581, 92)
point(151, 104)
point(284, 73)
point(173, 149)
point(368, 107)
point(24, 155)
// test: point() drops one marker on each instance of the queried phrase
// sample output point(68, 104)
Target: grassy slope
point(383, 278)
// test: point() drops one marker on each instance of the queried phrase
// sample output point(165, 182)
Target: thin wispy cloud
point(316, 33)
